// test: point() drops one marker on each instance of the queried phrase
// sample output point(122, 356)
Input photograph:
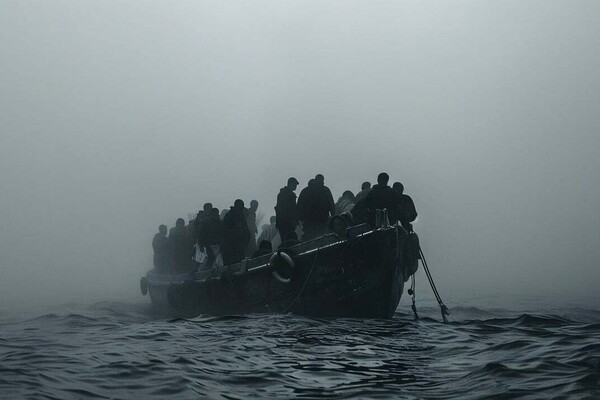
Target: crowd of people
point(227, 237)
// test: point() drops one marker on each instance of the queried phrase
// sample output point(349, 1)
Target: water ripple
point(121, 351)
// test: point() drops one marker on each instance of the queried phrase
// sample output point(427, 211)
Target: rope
point(414, 296)
point(307, 277)
point(443, 308)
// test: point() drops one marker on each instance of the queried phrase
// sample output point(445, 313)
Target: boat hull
point(361, 276)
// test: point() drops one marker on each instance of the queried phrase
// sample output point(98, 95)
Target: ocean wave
point(114, 350)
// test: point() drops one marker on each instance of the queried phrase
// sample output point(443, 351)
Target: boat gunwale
point(213, 274)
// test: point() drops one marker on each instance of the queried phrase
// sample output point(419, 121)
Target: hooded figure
point(286, 212)
point(235, 234)
point(345, 203)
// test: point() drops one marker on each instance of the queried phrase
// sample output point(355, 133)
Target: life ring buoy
point(275, 263)
point(144, 286)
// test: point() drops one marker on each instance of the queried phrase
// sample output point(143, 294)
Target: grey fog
point(118, 116)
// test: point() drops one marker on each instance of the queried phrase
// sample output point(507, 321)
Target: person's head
point(180, 223)
point(214, 212)
point(254, 205)
point(311, 183)
point(338, 226)
point(265, 245)
point(348, 195)
point(292, 183)
point(383, 179)
point(162, 229)
point(398, 187)
point(238, 204)
point(320, 179)
point(365, 186)
point(207, 208)
point(273, 219)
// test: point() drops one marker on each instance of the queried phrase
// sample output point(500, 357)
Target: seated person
point(292, 240)
point(264, 248)
point(338, 226)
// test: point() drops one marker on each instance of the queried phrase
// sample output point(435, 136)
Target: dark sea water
point(126, 351)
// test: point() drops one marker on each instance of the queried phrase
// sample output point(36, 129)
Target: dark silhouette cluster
point(226, 237)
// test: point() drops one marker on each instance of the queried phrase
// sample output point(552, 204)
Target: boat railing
point(261, 262)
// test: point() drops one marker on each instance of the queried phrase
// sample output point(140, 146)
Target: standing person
point(181, 245)
point(316, 205)
point(286, 212)
point(160, 245)
point(211, 236)
point(201, 218)
point(251, 221)
point(235, 234)
point(345, 203)
point(407, 212)
point(364, 190)
point(381, 196)
point(305, 200)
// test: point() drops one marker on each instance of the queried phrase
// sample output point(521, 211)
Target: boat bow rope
point(444, 310)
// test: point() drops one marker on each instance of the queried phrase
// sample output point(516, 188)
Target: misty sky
point(117, 116)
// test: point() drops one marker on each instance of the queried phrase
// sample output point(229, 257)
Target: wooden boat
point(361, 275)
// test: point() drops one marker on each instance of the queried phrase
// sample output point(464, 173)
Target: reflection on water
point(113, 350)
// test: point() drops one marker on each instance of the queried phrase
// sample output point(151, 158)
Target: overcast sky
point(117, 116)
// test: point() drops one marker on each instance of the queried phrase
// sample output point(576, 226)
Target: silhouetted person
point(286, 212)
point(365, 188)
point(251, 221)
point(381, 196)
point(315, 206)
point(211, 235)
point(264, 248)
point(338, 226)
point(160, 244)
point(345, 203)
point(292, 240)
point(304, 199)
point(235, 234)
point(202, 216)
point(181, 246)
point(407, 212)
